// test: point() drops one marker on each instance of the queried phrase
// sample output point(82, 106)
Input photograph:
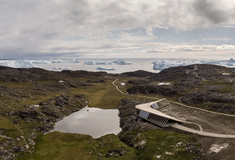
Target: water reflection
point(91, 121)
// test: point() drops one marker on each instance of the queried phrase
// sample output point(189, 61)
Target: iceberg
point(210, 62)
point(103, 63)
point(96, 63)
point(41, 61)
point(62, 68)
point(89, 63)
point(18, 64)
point(56, 61)
point(161, 65)
point(122, 62)
point(74, 60)
point(106, 68)
point(232, 60)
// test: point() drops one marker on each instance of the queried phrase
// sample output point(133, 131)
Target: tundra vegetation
point(32, 100)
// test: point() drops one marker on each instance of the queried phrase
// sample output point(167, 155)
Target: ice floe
point(122, 62)
point(106, 68)
point(89, 63)
point(56, 61)
point(62, 68)
point(97, 63)
point(74, 60)
point(41, 61)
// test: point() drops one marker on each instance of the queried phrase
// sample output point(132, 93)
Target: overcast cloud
point(89, 28)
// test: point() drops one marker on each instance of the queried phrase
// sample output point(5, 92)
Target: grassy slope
point(58, 145)
point(161, 143)
point(74, 146)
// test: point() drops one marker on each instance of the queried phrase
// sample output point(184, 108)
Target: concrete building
point(149, 112)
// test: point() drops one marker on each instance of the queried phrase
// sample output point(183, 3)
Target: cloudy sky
point(32, 29)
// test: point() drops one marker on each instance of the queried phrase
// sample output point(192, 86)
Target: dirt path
point(215, 124)
point(201, 133)
point(183, 105)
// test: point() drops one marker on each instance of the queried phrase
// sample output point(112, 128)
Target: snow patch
point(169, 153)
point(163, 84)
point(216, 148)
point(158, 156)
point(142, 142)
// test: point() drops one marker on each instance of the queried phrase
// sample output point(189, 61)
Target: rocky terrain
point(129, 123)
point(8, 74)
point(209, 86)
point(32, 100)
point(36, 99)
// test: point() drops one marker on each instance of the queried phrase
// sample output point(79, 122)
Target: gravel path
point(186, 129)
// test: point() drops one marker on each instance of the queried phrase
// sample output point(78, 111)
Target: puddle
point(163, 84)
point(90, 121)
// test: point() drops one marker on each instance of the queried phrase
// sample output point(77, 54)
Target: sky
point(45, 29)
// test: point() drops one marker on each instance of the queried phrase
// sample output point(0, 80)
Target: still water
point(90, 121)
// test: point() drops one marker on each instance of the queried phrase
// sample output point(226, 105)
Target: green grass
point(100, 95)
point(58, 145)
point(61, 146)
point(8, 128)
point(158, 143)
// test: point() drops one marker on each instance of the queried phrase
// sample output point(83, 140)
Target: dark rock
point(195, 150)
point(139, 81)
point(195, 72)
point(46, 128)
point(116, 152)
point(139, 73)
point(28, 114)
point(196, 97)
point(3, 151)
point(62, 100)
point(17, 149)
point(154, 89)
point(220, 107)
point(128, 120)
point(83, 74)
point(54, 112)
point(96, 81)
point(79, 96)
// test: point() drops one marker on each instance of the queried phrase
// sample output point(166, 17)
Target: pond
point(95, 122)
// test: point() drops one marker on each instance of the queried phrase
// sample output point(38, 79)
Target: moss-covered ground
point(61, 146)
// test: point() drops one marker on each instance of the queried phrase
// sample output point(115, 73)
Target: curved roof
point(146, 107)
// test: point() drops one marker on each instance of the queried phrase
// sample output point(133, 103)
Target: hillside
point(32, 100)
